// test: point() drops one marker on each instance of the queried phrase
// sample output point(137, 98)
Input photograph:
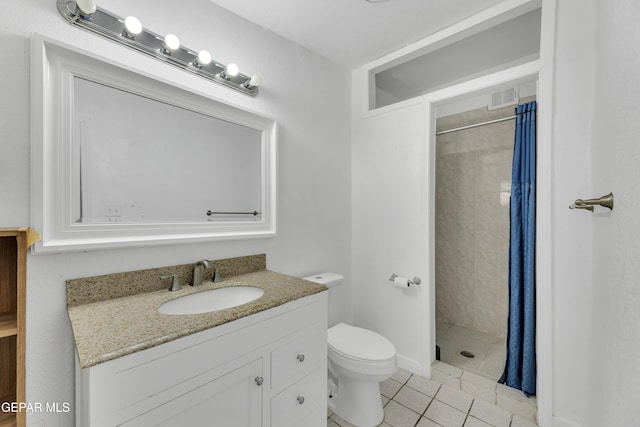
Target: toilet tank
point(331, 281)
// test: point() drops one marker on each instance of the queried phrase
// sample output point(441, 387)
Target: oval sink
point(207, 301)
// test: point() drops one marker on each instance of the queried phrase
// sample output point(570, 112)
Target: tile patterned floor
point(489, 351)
point(451, 398)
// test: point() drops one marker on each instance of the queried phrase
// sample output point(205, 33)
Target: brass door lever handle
point(588, 204)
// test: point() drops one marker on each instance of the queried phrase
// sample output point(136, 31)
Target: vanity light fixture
point(129, 32)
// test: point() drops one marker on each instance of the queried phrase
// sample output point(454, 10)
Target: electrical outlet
point(112, 211)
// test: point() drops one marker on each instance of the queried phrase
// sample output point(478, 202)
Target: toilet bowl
point(358, 360)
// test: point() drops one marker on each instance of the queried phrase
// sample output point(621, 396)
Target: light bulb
point(132, 27)
point(87, 7)
point(204, 58)
point(254, 81)
point(232, 70)
point(171, 43)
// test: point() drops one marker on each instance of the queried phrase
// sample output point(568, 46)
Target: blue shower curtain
point(520, 367)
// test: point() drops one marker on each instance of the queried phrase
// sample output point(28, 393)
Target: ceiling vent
point(504, 98)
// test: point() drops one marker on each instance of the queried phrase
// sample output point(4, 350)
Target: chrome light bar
point(130, 32)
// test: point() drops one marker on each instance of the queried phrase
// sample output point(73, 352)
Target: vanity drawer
point(301, 401)
point(297, 358)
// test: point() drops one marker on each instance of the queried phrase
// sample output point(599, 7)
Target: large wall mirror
point(121, 158)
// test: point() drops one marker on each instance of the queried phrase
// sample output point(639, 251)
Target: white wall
point(596, 297)
point(389, 232)
point(615, 325)
point(572, 297)
point(309, 97)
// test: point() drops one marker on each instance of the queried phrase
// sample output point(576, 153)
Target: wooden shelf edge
point(33, 235)
point(8, 325)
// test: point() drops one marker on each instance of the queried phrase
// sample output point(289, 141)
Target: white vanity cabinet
point(266, 369)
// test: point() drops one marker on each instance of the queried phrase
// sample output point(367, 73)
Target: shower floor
point(488, 351)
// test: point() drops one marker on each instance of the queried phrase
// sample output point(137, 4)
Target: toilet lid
point(358, 343)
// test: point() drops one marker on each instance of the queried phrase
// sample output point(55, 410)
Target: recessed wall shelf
point(14, 243)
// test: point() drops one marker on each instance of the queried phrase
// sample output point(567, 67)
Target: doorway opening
point(473, 160)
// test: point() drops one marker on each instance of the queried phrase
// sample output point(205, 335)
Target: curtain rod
point(476, 125)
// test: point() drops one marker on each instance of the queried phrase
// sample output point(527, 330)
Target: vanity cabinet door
point(234, 399)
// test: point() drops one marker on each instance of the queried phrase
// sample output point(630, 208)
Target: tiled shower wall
point(473, 183)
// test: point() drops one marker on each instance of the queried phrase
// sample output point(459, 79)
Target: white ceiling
point(354, 32)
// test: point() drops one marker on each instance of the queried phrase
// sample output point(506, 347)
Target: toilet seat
point(358, 344)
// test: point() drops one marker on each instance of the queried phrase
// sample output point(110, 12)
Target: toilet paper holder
point(414, 281)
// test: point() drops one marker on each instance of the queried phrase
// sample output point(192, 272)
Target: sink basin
point(207, 301)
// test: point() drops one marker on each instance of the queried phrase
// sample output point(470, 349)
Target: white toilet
point(359, 360)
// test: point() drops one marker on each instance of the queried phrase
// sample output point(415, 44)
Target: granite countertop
point(106, 330)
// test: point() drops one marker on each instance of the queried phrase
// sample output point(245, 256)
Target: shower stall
point(474, 152)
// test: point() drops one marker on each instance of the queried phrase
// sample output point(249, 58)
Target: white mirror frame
point(54, 65)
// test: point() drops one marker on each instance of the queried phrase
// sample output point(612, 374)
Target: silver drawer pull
point(300, 358)
point(301, 399)
point(259, 380)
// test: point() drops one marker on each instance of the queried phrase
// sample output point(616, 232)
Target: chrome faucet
point(197, 271)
